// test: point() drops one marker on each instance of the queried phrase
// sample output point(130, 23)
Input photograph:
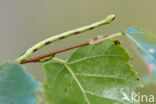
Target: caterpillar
point(49, 40)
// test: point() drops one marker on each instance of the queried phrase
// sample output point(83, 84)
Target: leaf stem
point(94, 41)
point(59, 60)
point(45, 42)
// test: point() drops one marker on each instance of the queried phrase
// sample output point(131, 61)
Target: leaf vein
point(78, 83)
point(82, 59)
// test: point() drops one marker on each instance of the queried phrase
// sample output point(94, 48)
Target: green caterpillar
point(45, 42)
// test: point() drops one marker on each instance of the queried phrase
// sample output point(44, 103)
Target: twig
point(95, 41)
point(36, 59)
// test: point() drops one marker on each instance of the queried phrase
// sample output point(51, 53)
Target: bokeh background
point(26, 22)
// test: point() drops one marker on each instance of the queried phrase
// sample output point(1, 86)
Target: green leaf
point(141, 34)
point(145, 43)
point(17, 86)
point(94, 74)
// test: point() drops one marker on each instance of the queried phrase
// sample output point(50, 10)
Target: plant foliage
point(94, 74)
point(145, 43)
point(17, 86)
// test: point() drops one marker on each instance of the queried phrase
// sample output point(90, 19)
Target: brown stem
point(36, 59)
point(94, 41)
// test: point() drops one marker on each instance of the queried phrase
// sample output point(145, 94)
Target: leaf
point(145, 43)
point(94, 74)
point(16, 86)
point(142, 35)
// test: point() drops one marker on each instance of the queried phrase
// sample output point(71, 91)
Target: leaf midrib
point(78, 83)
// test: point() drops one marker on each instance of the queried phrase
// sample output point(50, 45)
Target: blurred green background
point(26, 22)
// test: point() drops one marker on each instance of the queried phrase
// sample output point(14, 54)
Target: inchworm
point(45, 42)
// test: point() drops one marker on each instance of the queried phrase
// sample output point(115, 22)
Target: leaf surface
point(16, 86)
point(145, 43)
point(94, 74)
